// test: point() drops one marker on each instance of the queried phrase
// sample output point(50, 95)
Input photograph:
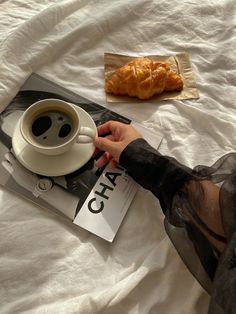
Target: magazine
point(94, 199)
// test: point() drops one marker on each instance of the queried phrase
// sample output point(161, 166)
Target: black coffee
point(52, 128)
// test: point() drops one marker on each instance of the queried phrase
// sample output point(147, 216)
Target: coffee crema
point(52, 128)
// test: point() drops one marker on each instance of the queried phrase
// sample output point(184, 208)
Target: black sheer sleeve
point(192, 213)
point(163, 176)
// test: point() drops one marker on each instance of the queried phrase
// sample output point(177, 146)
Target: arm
point(165, 178)
point(207, 210)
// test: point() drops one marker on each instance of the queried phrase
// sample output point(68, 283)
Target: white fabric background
point(47, 264)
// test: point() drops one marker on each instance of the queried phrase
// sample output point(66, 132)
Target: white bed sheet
point(47, 264)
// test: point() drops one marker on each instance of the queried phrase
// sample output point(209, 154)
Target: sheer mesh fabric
point(200, 215)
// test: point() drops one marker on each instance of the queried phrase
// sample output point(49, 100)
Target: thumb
point(107, 145)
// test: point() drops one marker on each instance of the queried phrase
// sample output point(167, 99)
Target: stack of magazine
point(94, 199)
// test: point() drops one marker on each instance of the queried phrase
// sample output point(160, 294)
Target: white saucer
point(59, 165)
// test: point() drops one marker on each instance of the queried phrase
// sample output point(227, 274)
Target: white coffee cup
point(78, 134)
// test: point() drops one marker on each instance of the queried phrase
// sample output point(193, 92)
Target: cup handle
point(86, 135)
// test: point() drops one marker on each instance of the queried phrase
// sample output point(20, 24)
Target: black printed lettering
point(112, 176)
point(103, 191)
point(97, 210)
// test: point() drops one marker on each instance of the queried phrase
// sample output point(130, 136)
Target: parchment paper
point(180, 63)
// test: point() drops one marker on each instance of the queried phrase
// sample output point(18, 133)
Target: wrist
point(129, 153)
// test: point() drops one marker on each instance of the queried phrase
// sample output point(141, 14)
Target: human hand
point(21, 175)
point(120, 135)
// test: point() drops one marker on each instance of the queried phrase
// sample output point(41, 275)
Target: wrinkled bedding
point(49, 265)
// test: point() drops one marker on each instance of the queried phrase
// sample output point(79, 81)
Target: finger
point(104, 128)
point(103, 160)
point(108, 127)
point(105, 144)
point(97, 150)
point(7, 166)
point(113, 164)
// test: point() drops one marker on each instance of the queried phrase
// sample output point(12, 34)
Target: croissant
point(143, 78)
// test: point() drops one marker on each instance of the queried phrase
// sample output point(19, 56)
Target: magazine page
point(107, 203)
point(72, 194)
